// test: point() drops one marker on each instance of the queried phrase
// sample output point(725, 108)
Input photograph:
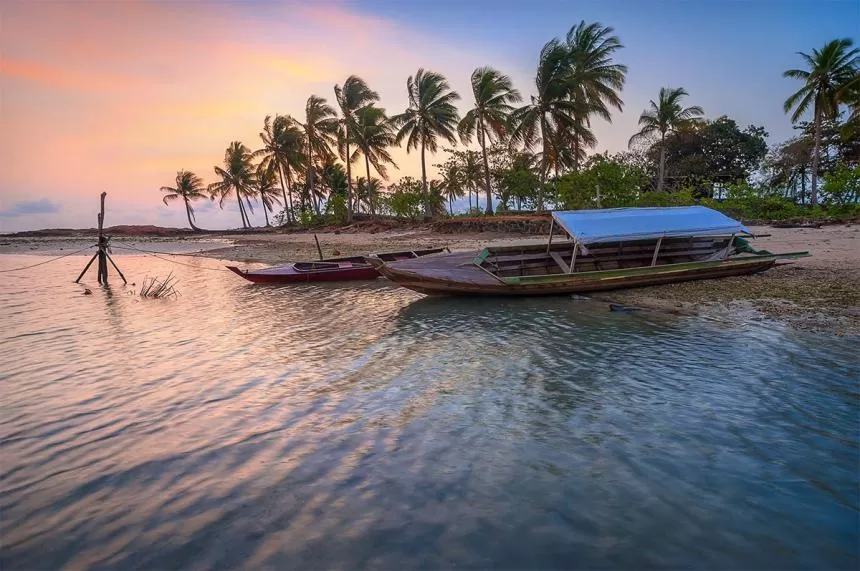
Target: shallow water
point(358, 426)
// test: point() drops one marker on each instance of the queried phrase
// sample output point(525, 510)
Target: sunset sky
point(117, 96)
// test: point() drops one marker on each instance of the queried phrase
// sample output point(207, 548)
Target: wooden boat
point(605, 249)
point(330, 270)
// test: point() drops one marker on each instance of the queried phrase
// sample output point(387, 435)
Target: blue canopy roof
point(621, 224)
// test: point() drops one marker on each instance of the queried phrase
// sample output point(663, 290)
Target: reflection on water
point(364, 426)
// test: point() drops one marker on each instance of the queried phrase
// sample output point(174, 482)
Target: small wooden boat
point(605, 249)
point(331, 270)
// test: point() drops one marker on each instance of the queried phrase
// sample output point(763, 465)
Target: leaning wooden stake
point(319, 250)
point(102, 254)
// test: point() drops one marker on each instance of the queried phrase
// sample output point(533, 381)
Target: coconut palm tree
point(354, 95)
point(831, 75)
point(452, 184)
point(595, 81)
point(283, 151)
point(662, 117)
point(368, 192)
point(320, 129)
point(431, 115)
point(550, 113)
point(471, 173)
point(494, 93)
point(373, 133)
point(238, 176)
point(268, 189)
point(188, 187)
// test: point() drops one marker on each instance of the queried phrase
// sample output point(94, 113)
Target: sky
point(116, 96)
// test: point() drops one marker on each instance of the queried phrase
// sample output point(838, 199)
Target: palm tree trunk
point(369, 193)
point(188, 213)
point(486, 168)
point(241, 209)
point(284, 190)
point(266, 214)
point(662, 161)
point(451, 205)
point(349, 193)
point(311, 175)
point(813, 197)
point(424, 182)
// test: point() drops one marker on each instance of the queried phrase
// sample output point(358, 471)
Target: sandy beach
point(819, 293)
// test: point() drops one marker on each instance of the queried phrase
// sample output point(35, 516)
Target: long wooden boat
point(330, 270)
point(645, 249)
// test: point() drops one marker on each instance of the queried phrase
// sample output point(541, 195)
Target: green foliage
point(682, 197)
point(842, 186)
point(406, 199)
point(604, 184)
point(336, 210)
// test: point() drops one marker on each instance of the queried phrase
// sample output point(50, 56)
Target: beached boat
point(603, 250)
point(330, 270)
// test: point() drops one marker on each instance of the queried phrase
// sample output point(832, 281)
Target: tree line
point(533, 154)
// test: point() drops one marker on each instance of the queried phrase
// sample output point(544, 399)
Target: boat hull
point(465, 279)
point(356, 268)
point(295, 277)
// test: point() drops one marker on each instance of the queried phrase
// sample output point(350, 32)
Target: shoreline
point(820, 293)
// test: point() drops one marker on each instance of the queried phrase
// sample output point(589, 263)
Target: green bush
point(683, 197)
point(841, 187)
point(336, 210)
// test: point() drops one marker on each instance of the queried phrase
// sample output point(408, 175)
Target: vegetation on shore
point(535, 156)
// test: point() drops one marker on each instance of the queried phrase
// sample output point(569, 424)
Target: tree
point(708, 152)
point(188, 187)
point(550, 112)
point(831, 76)
point(373, 133)
point(267, 188)
point(431, 115)
point(451, 183)
point(662, 117)
point(320, 128)
point(518, 181)
point(237, 177)
point(368, 192)
point(489, 118)
point(595, 79)
point(354, 95)
point(283, 151)
point(789, 165)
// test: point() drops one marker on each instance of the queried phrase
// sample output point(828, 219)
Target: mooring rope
point(159, 256)
point(49, 261)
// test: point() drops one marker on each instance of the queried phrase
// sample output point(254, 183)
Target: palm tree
point(238, 176)
point(354, 95)
point(282, 151)
point(471, 173)
point(373, 133)
point(431, 114)
point(188, 187)
point(550, 112)
point(320, 128)
point(595, 81)
point(831, 75)
point(494, 93)
point(662, 117)
point(267, 188)
point(368, 192)
point(452, 184)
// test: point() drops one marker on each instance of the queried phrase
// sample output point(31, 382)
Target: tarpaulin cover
point(622, 224)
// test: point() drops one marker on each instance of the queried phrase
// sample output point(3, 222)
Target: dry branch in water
point(155, 288)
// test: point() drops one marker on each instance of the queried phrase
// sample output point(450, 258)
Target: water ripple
point(357, 426)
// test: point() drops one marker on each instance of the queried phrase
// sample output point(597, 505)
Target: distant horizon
point(118, 97)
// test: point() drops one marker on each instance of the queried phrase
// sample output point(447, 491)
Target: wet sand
point(819, 293)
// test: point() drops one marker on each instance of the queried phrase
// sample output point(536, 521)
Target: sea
point(365, 426)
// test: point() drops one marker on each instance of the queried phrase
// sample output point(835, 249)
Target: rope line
point(157, 255)
point(48, 261)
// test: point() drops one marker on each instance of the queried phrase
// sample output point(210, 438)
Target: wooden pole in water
point(319, 250)
point(102, 255)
